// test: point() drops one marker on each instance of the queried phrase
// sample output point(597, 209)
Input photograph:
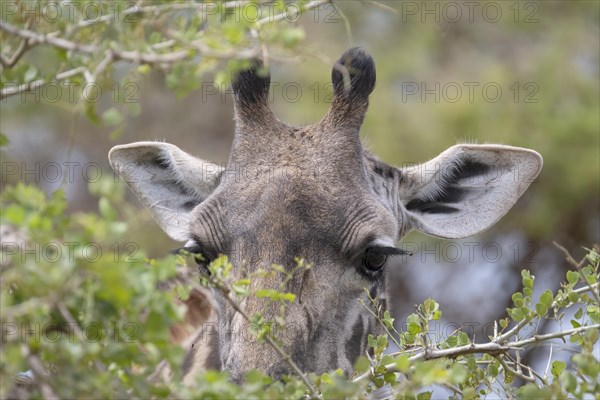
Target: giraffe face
point(314, 193)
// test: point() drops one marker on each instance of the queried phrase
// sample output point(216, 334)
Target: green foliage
point(97, 325)
point(184, 40)
point(81, 300)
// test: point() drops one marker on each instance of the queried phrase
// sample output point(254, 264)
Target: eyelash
point(380, 251)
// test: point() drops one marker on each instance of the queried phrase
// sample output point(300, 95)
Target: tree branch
point(280, 17)
point(157, 9)
point(491, 348)
point(513, 371)
point(25, 87)
point(124, 55)
point(555, 335)
point(21, 49)
point(198, 48)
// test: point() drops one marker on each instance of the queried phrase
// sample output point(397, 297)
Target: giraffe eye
point(374, 260)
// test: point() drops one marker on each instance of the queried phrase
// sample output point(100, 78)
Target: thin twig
point(10, 62)
point(555, 335)
point(299, 10)
point(21, 49)
point(347, 26)
point(507, 368)
point(25, 87)
point(549, 360)
point(453, 388)
point(103, 64)
point(382, 6)
point(156, 9)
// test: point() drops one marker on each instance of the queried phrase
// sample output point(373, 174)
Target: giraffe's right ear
point(167, 180)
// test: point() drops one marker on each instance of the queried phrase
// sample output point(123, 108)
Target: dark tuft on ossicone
point(353, 75)
point(251, 86)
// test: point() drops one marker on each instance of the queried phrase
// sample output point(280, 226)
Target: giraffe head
point(315, 193)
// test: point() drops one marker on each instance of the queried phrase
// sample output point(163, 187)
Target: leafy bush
point(84, 314)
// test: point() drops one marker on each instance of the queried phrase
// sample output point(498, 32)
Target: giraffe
point(313, 192)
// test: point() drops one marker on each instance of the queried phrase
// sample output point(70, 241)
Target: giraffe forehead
point(288, 220)
point(317, 147)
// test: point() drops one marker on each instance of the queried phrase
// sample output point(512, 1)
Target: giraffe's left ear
point(467, 188)
point(167, 180)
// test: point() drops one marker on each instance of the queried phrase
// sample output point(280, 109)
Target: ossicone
point(251, 85)
point(353, 75)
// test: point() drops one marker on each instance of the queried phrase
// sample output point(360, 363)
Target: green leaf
point(387, 360)
point(275, 295)
point(558, 367)
point(90, 112)
point(546, 298)
point(492, 369)
point(594, 313)
point(413, 324)
point(452, 340)
point(572, 277)
point(388, 320)
point(424, 396)
point(326, 378)
point(14, 214)
point(30, 74)
point(144, 68)
point(362, 365)
point(472, 363)
point(516, 314)
point(382, 341)
point(292, 37)
point(532, 391)
point(468, 393)
point(3, 140)
point(541, 309)
point(457, 373)
point(463, 339)
point(517, 299)
point(588, 364)
point(402, 363)
point(112, 117)
point(568, 381)
point(390, 377)
point(527, 279)
point(106, 210)
point(241, 287)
